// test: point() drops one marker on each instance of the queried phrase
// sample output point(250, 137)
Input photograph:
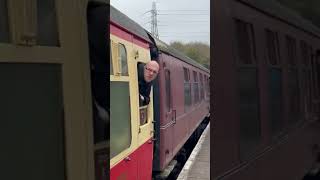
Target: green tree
point(197, 51)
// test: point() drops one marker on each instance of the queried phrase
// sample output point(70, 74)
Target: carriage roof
point(285, 14)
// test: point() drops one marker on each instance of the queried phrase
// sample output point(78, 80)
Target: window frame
point(129, 121)
point(196, 87)
point(245, 150)
point(168, 88)
point(120, 60)
point(187, 83)
point(6, 23)
point(277, 128)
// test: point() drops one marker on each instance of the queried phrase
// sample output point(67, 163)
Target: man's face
point(150, 71)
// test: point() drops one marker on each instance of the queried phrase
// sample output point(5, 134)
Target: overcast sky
point(178, 20)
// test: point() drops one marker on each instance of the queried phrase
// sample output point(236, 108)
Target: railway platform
point(197, 166)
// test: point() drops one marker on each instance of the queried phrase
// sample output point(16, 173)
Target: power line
point(200, 14)
point(186, 35)
point(185, 10)
point(184, 19)
point(179, 23)
point(187, 32)
point(149, 22)
point(150, 11)
point(146, 12)
point(176, 36)
point(184, 25)
point(190, 21)
point(183, 34)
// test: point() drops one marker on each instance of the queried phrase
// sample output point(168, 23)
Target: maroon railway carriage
point(180, 101)
point(183, 95)
point(266, 92)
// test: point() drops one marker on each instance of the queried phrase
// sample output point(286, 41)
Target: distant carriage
point(266, 92)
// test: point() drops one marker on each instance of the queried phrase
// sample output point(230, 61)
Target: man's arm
point(144, 100)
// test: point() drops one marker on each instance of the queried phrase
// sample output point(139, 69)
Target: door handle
point(175, 116)
point(127, 159)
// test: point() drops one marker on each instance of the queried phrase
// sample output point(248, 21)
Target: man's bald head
point(151, 70)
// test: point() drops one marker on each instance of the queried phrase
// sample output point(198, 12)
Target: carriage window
point(312, 75)
point(143, 106)
point(205, 87)
point(208, 87)
point(120, 125)
point(4, 25)
point(309, 69)
point(293, 81)
point(123, 60)
point(310, 55)
point(314, 78)
point(187, 89)
point(304, 53)
point(47, 23)
point(306, 56)
point(195, 87)
point(32, 124)
point(274, 83)
point(292, 51)
point(110, 60)
point(272, 47)
point(248, 92)
point(201, 87)
point(245, 42)
point(306, 90)
point(249, 111)
point(317, 75)
point(168, 89)
point(294, 96)
point(275, 100)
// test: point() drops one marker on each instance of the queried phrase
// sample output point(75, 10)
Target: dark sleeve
point(146, 95)
point(140, 71)
point(148, 89)
point(98, 19)
point(98, 31)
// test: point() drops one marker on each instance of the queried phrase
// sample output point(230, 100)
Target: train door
point(123, 160)
point(144, 118)
point(318, 79)
point(98, 43)
point(170, 112)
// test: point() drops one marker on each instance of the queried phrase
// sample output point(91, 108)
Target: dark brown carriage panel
point(288, 23)
point(276, 11)
point(262, 23)
point(225, 127)
point(268, 160)
point(176, 125)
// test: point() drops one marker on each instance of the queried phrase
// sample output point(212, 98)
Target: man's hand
point(145, 100)
point(141, 97)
